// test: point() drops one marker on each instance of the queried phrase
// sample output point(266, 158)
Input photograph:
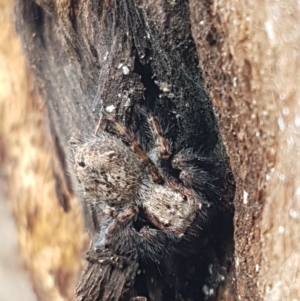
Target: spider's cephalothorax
point(146, 210)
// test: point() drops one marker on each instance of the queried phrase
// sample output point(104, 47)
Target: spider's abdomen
point(107, 169)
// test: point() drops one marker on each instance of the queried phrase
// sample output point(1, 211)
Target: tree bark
point(135, 56)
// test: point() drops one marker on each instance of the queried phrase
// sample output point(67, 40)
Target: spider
point(146, 210)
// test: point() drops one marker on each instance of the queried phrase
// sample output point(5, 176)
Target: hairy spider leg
point(161, 143)
point(122, 219)
point(119, 233)
point(149, 244)
point(194, 176)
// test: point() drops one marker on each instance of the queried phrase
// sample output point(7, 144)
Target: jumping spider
point(145, 209)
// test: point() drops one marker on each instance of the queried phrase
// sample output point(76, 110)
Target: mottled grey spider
point(145, 209)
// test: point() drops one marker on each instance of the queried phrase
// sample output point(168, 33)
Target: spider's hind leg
point(198, 172)
point(158, 146)
point(162, 146)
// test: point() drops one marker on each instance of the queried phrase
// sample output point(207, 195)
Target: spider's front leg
point(150, 244)
point(124, 234)
point(121, 220)
point(112, 221)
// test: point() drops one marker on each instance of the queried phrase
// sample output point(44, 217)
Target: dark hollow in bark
point(140, 57)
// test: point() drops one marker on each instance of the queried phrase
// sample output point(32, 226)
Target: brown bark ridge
point(248, 52)
point(138, 56)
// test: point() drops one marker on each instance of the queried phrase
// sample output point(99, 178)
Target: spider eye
point(81, 163)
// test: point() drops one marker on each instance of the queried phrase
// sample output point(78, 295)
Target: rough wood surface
point(254, 86)
point(104, 268)
point(45, 241)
